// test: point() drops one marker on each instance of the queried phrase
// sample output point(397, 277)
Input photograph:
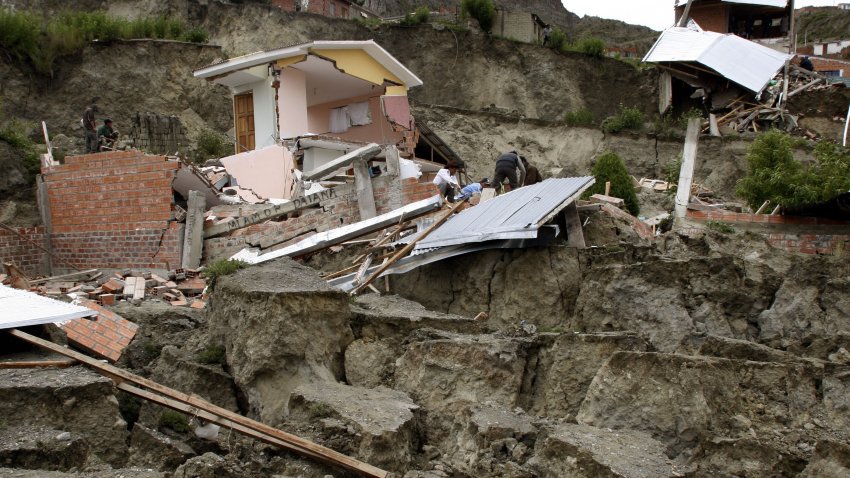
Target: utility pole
point(683, 20)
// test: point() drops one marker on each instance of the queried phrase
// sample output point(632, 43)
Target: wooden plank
point(38, 364)
point(85, 275)
point(363, 187)
point(272, 212)
point(409, 247)
point(296, 444)
point(805, 87)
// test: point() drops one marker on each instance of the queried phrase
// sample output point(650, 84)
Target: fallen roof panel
point(21, 308)
point(746, 63)
point(517, 214)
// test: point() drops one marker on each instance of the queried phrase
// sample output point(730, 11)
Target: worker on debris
point(106, 135)
point(547, 32)
point(474, 188)
point(446, 181)
point(806, 64)
point(90, 127)
point(506, 167)
point(532, 174)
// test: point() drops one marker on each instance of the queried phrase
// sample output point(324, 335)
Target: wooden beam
point(269, 213)
point(38, 364)
point(85, 275)
point(196, 404)
point(409, 247)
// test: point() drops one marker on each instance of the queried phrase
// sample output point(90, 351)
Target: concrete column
point(575, 234)
point(686, 174)
point(365, 195)
point(193, 238)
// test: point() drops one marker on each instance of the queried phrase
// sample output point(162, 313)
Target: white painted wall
point(292, 103)
point(264, 120)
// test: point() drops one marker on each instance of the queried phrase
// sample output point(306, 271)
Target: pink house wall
point(267, 171)
point(292, 103)
point(379, 131)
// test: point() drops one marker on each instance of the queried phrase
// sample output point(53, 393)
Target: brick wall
point(26, 255)
point(711, 17)
point(158, 133)
point(780, 235)
point(114, 210)
point(389, 192)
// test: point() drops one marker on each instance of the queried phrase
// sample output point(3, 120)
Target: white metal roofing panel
point(747, 63)
point(766, 3)
point(20, 308)
point(514, 215)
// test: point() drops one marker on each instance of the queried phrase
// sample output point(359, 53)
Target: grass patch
point(628, 118)
point(212, 354)
point(14, 133)
point(581, 117)
point(720, 227)
point(221, 268)
point(175, 421)
point(26, 36)
point(418, 17)
point(589, 46)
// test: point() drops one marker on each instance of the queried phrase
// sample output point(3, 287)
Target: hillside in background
point(822, 24)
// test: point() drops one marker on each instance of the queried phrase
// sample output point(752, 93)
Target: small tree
point(557, 39)
point(590, 46)
point(610, 168)
point(484, 11)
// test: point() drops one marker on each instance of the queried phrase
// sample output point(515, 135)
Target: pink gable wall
point(292, 103)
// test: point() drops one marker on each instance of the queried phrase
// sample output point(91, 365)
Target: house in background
point(328, 8)
point(751, 19)
point(521, 26)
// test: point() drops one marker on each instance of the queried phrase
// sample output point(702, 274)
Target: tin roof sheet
point(746, 63)
point(515, 215)
point(20, 308)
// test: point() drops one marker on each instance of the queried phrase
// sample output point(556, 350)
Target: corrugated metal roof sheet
point(746, 63)
point(766, 3)
point(21, 308)
point(515, 215)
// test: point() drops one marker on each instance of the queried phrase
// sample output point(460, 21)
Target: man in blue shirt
point(473, 188)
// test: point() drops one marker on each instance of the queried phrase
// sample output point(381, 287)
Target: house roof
point(22, 308)
point(766, 3)
point(746, 63)
point(264, 57)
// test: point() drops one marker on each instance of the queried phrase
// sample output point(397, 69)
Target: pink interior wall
point(267, 171)
point(292, 103)
point(380, 131)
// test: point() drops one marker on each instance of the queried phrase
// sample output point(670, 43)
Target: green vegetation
point(671, 175)
point(776, 176)
point(212, 354)
point(26, 36)
point(628, 118)
point(687, 116)
point(14, 133)
point(610, 168)
point(580, 117)
point(221, 268)
point(211, 145)
point(418, 17)
point(484, 11)
point(720, 227)
point(152, 349)
point(129, 406)
point(589, 46)
point(557, 39)
point(174, 420)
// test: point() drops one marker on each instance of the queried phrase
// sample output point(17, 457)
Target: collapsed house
point(751, 19)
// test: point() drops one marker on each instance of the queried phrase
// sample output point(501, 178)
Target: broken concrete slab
point(74, 399)
point(376, 425)
point(584, 451)
point(282, 325)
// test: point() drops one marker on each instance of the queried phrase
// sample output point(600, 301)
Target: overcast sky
point(656, 14)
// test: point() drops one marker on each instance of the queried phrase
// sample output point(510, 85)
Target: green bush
point(174, 420)
point(557, 39)
point(590, 46)
point(581, 117)
point(19, 32)
point(211, 145)
point(720, 227)
point(610, 168)
point(628, 118)
point(484, 11)
point(14, 133)
point(212, 354)
point(420, 16)
point(196, 35)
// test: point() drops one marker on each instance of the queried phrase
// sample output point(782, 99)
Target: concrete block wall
point(156, 133)
point(390, 194)
point(517, 26)
point(23, 251)
point(114, 210)
point(780, 233)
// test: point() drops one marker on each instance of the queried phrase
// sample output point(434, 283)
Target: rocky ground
point(701, 355)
